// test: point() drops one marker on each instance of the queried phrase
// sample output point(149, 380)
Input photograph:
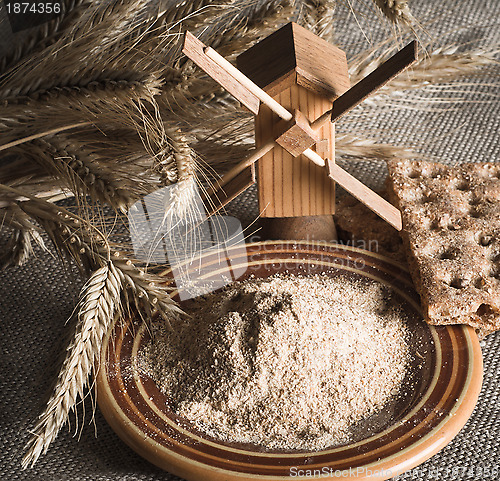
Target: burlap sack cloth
point(36, 300)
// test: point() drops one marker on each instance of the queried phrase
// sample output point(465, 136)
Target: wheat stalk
point(28, 125)
point(99, 303)
point(31, 138)
point(193, 14)
point(147, 43)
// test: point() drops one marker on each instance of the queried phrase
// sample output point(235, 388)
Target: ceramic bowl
point(438, 395)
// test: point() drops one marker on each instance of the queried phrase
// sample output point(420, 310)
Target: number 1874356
point(33, 7)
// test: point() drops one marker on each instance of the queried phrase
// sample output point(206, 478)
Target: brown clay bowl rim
point(447, 402)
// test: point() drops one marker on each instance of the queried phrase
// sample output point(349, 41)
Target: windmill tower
point(304, 73)
point(297, 85)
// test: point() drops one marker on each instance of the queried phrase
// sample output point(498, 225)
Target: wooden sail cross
point(297, 85)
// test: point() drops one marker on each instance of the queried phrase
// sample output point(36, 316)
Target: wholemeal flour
point(285, 362)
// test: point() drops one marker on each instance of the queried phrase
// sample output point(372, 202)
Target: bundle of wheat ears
point(99, 104)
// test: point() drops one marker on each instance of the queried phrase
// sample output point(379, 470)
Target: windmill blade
point(195, 50)
point(371, 83)
point(375, 80)
point(247, 162)
point(359, 190)
point(229, 77)
point(236, 180)
point(229, 190)
point(365, 195)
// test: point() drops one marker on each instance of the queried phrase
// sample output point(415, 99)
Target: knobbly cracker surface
point(451, 231)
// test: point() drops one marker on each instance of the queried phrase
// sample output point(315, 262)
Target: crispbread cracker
point(451, 232)
point(361, 227)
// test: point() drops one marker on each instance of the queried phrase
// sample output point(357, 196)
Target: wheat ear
point(176, 161)
point(115, 94)
point(347, 145)
point(19, 248)
point(99, 303)
point(318, 16)
point(397, 11)
point(44, 35)
point(86, 173)
point(447, 63)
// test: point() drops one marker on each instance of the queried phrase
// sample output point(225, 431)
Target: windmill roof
point(292, 55)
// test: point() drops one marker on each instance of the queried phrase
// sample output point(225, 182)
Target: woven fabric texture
point(37, 299)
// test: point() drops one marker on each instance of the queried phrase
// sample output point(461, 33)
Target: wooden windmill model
point(289, 81)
